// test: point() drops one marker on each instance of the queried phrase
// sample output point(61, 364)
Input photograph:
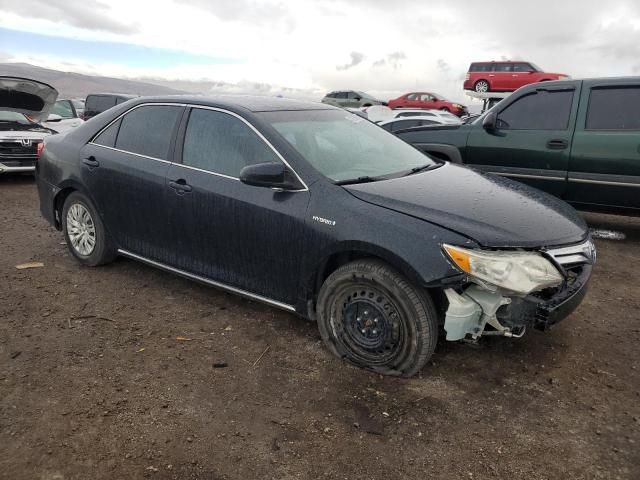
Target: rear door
point(124, 170)
point(521, 75)
point(605, 159)
point(246, 237)
point(532, 140)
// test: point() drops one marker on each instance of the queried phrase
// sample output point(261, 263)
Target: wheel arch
point(442, 151)
point(66, 189)
point(348, 252)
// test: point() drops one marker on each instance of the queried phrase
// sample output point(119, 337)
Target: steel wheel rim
point(382, 342)
point(81, 230)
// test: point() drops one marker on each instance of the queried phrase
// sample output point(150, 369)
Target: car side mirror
point(490, 120)
point(274, 175)
point(54, 118)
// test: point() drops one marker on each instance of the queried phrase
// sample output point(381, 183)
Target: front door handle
point(180, 186)
point(557, 144)
point(91, 162)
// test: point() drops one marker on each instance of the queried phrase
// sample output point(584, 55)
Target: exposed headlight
point(520, 272)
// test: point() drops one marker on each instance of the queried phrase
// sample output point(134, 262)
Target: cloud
point(395, 58)
point(87, 14)
point(443, 66)
point(247, 11)
point(356, 59)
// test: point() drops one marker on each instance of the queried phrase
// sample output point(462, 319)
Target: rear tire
point(481, 86)
point(84, 232)
point(370, 315)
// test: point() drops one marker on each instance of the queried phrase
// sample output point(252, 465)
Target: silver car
point(351, 98)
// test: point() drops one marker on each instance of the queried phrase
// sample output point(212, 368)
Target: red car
point(427, 101)
point(506, 76)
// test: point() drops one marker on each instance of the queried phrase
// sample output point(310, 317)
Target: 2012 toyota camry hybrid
point(315, 210)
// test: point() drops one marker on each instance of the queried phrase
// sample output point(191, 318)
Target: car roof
point(122, 95)
point(253, 103)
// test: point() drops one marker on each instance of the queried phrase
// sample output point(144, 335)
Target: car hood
point(35, 133)
point(27, 96)
point(493, 211)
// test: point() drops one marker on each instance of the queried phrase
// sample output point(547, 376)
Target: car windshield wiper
point(422, 168)
point(364, 179)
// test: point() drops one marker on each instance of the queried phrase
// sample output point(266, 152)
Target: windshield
point(63, 108)
point(343, 146)
point(6, 116)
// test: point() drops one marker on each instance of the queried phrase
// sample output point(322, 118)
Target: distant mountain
point(76, 85)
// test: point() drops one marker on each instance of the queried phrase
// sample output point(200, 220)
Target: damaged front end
point(506, 292)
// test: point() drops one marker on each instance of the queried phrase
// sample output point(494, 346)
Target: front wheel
point(84, 231)
point(370, 315)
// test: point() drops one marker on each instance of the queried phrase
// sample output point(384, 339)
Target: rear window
point(148, 130)
point(99, 103)
point(616, 108)
point(480, 67)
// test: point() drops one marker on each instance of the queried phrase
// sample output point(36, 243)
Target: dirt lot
point(94, 382)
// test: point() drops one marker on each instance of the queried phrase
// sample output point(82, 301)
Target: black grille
point(18, 149)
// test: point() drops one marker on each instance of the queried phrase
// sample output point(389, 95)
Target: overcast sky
point(384, 47)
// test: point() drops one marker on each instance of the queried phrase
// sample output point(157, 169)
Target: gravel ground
point(126, 372)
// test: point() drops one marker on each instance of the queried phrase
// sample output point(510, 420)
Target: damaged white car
point(24, 104)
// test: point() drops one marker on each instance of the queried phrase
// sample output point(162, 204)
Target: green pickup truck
point(576, 139)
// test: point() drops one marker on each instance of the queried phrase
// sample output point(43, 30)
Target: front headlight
point(520, 272)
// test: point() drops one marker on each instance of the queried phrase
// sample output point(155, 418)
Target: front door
point(124, 169)
point(531, 141)
point(245, 237)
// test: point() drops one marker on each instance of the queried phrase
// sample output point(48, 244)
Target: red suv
point(427, 100)
point(505, 76)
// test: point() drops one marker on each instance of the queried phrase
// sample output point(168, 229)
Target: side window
point(108, 136)
point(63, 108)
point(412, 96)
point(341, 95)
point(503, 67)
point(522, 67)
point(221, 143)
point(427, 122)
point(148, 130)
point(353, 95)
point(542, 110)
point(480, 67)
point(99, 103)
point(425, 97)
point(614, 109)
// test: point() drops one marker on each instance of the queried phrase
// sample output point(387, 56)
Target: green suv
point(576, 139)
point(351, 99)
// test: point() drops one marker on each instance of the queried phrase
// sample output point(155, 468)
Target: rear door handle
point(180, 186)
point(91, 162)
point(557, 144)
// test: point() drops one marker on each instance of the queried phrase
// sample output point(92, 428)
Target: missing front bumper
point(470, 312)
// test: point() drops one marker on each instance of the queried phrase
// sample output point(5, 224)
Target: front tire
point(370, 315)
point(84, 232)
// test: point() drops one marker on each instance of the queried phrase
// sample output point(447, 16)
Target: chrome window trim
point(203, 107)
point(223, 286)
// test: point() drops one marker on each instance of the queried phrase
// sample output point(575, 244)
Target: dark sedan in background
point(317, 211)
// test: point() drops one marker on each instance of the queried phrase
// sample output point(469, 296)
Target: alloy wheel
point(81, 229)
